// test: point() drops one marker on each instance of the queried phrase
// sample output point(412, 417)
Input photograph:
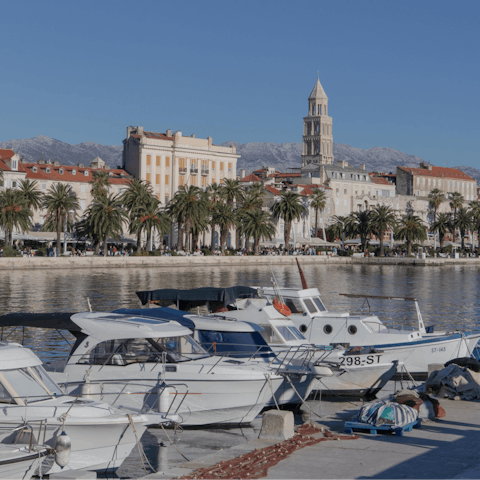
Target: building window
point(74, 172)
point(167, 179)
point(344, 190)
point(157, 179)
point(47, 170)
point(213, 166)
point(148, 177)
point(34, 169)
point(14, 184)
point(167, 161)
point(338, 191)
point(158, 161)
point(60, 171)
point(82, 204)
point(44, 186)
point(82, 188)
point(356, 190)
point(230, 168)
point(221, 166)
point(149, 159)
point(86, 173)
point(14, 165)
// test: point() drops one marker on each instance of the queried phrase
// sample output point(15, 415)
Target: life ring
point(281, 308)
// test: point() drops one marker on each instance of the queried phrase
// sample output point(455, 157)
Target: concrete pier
point(25, 263)
point(442, 448)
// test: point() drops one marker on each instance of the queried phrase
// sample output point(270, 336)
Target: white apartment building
point(169, 160)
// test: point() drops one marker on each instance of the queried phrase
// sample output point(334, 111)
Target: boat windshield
point(294, 304)
point(318, 302)
point(30, 384)
point(290, 333)
point(234, 344)
point(144, 350)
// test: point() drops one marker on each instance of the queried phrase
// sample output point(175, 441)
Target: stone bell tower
point(317, 129)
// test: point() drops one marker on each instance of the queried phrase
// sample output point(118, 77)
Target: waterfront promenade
point(24, 263)
point(441, 448)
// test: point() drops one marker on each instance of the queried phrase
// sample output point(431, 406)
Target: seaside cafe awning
point(196, 297)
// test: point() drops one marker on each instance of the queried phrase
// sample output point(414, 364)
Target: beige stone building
point(169, 160)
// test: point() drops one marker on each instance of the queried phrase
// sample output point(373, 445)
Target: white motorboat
point(231, 338)
point(147, 364)
point(19, 462)
point(101, 436)
point(420, 347)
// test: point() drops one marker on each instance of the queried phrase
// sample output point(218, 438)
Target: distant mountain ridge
point(282, 156)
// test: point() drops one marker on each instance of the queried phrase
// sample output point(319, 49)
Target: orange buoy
point(281, 308)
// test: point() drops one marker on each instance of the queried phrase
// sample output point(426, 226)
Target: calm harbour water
point(448, 298)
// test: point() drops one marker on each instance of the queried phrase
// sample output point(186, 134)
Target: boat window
point(234, 344)
point(294, 304)
point(270, 335)
point(321, 307)
point(26, 386)
point(309, 304)
point(286, 333)
point(5, 397)
point(45, 378)
point(295, 331)
point(144, 350)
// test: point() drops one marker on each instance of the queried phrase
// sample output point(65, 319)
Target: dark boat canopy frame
point(56, 321)
point(197, 296)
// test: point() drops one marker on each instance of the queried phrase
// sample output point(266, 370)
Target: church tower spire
point(317, 129)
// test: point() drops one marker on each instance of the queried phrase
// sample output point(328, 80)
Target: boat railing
point(283, 355)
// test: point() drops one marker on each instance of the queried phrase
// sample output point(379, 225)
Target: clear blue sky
point(397, 74)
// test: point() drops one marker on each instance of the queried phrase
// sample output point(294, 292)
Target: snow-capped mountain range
point(282, 156)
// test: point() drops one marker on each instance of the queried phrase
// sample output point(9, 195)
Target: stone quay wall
point(24, 263)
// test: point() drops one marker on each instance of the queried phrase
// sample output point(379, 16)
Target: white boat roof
point(109, 326)
point(14, 356)
point(222, 324)
point(291, 292)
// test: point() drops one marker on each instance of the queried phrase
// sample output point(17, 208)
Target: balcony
point(194, 170)
point(182, 169)
point(205, 171)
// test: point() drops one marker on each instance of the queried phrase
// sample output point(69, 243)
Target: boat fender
point(282, 308)
point(89, 390)
point(63, 448)
point(165, 398)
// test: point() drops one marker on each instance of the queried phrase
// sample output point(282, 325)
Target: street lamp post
point(65, 233)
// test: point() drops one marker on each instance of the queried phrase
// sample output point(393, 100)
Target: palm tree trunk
point(180, 237)
point(316, 222)
point(139, 241)
point(409, 248)
point(97, 248)
point(223, 237)
point(323, 225)
point(441, 239)
point(105, 245)
point(59, 228)
point(478, 238)
point(256, 243)
point(462, 233)
point(286, 232)
point(382, 253)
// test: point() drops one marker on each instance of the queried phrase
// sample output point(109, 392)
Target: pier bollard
point(277, 425)
point(162, 458)
point(74, 475)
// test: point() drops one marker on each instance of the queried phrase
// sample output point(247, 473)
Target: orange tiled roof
point(272, 190)
point(251, 178)
point(380, 181)
point(6, 153)
point(440, 172)
point(285, 175)
point(68, 176)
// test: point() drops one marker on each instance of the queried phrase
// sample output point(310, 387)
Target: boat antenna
point(302, 276)
point(275, 285)
point(89, 306)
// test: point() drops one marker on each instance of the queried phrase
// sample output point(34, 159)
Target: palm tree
point(225, 217)
point(106, 216)
point(382, 218)
point(319, 201)
point(475, 212)
point(289, 208)
point(257, 224)
point(151, 218)
point(436, 198)
point(59, 200)
point(411, 228)
point(33, 197)
point(232, 190)
point(214, 192)
point(456, 201)
point(14, 213)
point(463, 223)
point(137, 193)
point(190, 206)
point(100, 183)
point(336, 229)
point(442, 225)
point(359, 224)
